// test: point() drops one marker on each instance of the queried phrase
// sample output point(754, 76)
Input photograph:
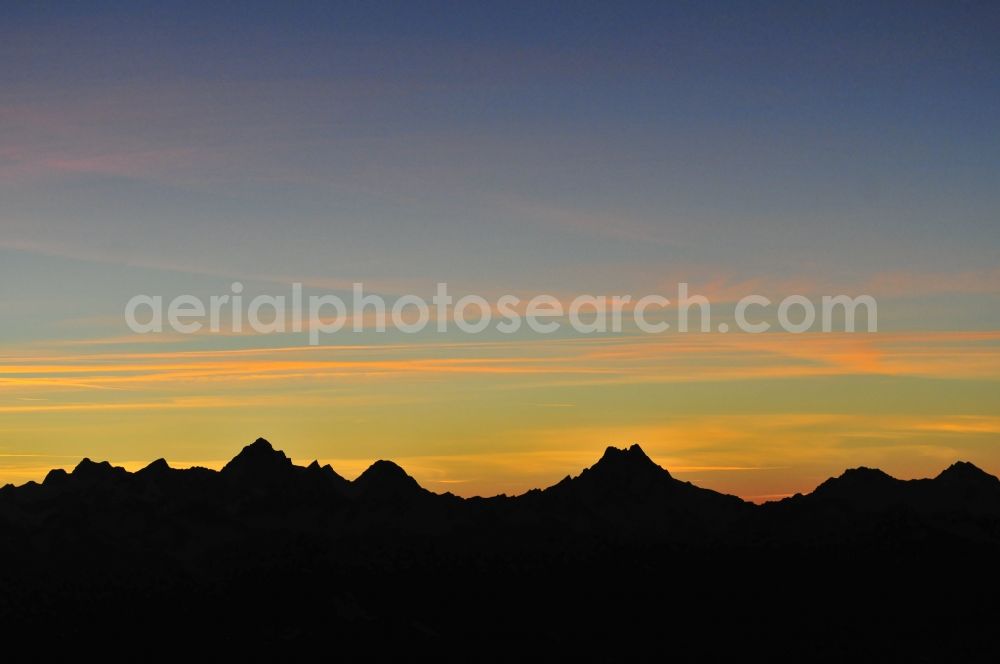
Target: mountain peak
point(632, 451)
point(86, 465)
point(55, 476)
point(619, 468)
point(325, 470)
point(386, 479)
point(862, 487)
point(156, 467)
point(89, 471)
point(261, 445)
point(866, 474)
point(632, 458)
point(383, 469)
point(857, 478)
point(626, 480)
point(964, 472)
point(259, 458)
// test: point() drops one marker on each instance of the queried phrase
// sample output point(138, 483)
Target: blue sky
point(455, 141)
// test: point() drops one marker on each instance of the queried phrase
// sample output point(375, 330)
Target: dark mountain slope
point(274, 557)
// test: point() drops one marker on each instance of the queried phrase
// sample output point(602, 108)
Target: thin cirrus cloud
point(959, 355)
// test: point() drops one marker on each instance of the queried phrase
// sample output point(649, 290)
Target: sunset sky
point(561, 148)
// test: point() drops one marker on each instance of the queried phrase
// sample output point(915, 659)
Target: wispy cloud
point(691, 357)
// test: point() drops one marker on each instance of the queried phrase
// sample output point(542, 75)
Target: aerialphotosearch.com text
point(319, 315)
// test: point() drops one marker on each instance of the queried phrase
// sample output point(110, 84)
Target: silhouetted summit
point(862, 487)
point(259, 461)
point(56, 477)
point(89, 472)
point(627, 488)
point(325, 470)
point(966, 474)
point(619, 473)
point(158, 467)
point(631, 461)
point(384, 480)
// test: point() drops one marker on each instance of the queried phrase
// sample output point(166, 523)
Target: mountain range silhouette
point(623, 483)
point(298, 554)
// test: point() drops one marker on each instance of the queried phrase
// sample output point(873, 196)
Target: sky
point(562, 148)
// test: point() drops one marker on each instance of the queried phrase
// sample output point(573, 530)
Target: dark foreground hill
point(265, 556)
